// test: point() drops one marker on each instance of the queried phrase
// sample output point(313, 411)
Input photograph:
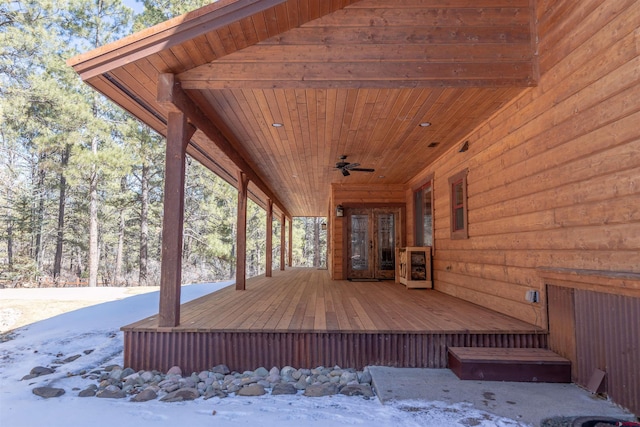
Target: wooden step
point(509, 364)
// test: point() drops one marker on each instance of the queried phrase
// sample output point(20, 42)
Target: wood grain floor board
point(305, 299)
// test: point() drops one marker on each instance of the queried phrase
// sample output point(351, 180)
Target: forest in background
point(81, 181)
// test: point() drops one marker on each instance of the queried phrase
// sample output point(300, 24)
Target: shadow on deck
point(301, 318)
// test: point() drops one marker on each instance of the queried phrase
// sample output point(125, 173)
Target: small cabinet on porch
point(413, 266)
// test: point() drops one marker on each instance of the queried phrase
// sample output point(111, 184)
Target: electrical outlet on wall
point(532, 296)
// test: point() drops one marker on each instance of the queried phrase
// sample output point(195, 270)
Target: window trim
point(459, 178)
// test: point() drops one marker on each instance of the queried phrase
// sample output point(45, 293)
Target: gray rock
point(187, 383)
point(145, 395)
point(364, 377)
point(48, 392)
point(72, 358)
point(320, 390)
point(251, 390)
point(175, 370)
point(261, 372)
point(204, 375)
point(323, 378)
point(274, 371)
point(283, 388)
point(296, 375)
point(127, 372)
point(87, 392)
point(181, 395)
point(232, 388)
point(170, 388)
point(215, 393)
point(111, 392)
point(348, 377)
point(147, 376)
point(273, 378)
point(264, 383)
point(301, 384)
point(41, 370)
point(116, 374)
point(357, 390)
point(287, 372)
point(221, 369)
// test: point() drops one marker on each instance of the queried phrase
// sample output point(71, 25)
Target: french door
point(373, 234)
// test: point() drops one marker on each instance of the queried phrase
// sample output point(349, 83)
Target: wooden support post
point(269, 266)
point(290, 262)
point(179, 132)
point(241, 244)
point(283, 242)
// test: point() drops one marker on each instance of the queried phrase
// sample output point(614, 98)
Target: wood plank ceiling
point(342, 77)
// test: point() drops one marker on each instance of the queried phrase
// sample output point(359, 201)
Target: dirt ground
point(20, 307)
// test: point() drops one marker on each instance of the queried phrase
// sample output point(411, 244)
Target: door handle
point(371, 244)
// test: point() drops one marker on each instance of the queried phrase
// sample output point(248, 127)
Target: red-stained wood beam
point(282, 241)
point(179, 132)
point(171, 95)
point(365, 74)
point(269, 266)
point(167, 34)
point(290, 262)
point(241, 235)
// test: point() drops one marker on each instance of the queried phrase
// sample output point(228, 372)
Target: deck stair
point(509, 364)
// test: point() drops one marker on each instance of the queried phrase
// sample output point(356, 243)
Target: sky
point(97, 328)
point(133, 4)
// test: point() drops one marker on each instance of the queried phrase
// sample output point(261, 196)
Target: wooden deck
point(300, 317)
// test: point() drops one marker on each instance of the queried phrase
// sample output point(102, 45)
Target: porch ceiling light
point(277, 125)
point(425, 124)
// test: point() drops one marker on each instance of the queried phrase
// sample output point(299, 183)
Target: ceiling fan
point(345, 167)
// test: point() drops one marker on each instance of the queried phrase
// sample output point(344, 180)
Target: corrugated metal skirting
point(197, 351)
point(608, 338)
point(596, 330)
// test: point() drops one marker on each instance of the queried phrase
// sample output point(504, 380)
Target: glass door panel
point(373, 235)
point(386, 244)
point(359, 245)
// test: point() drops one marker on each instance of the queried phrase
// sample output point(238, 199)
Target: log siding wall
point(554, 176)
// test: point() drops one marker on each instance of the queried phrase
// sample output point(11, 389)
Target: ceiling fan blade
point(350, 166)
point(362, 169)
point(345, 172)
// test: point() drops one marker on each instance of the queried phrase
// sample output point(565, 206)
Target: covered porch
point(300, 317)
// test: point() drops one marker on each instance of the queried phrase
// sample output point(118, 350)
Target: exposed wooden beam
point(269, 255)
point(282, 241)
point(388, 74)
point(167, 34)
point(179, 133)
point(171, 95)
point(241, 234)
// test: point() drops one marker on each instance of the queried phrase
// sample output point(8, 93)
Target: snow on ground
point(97, 328)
